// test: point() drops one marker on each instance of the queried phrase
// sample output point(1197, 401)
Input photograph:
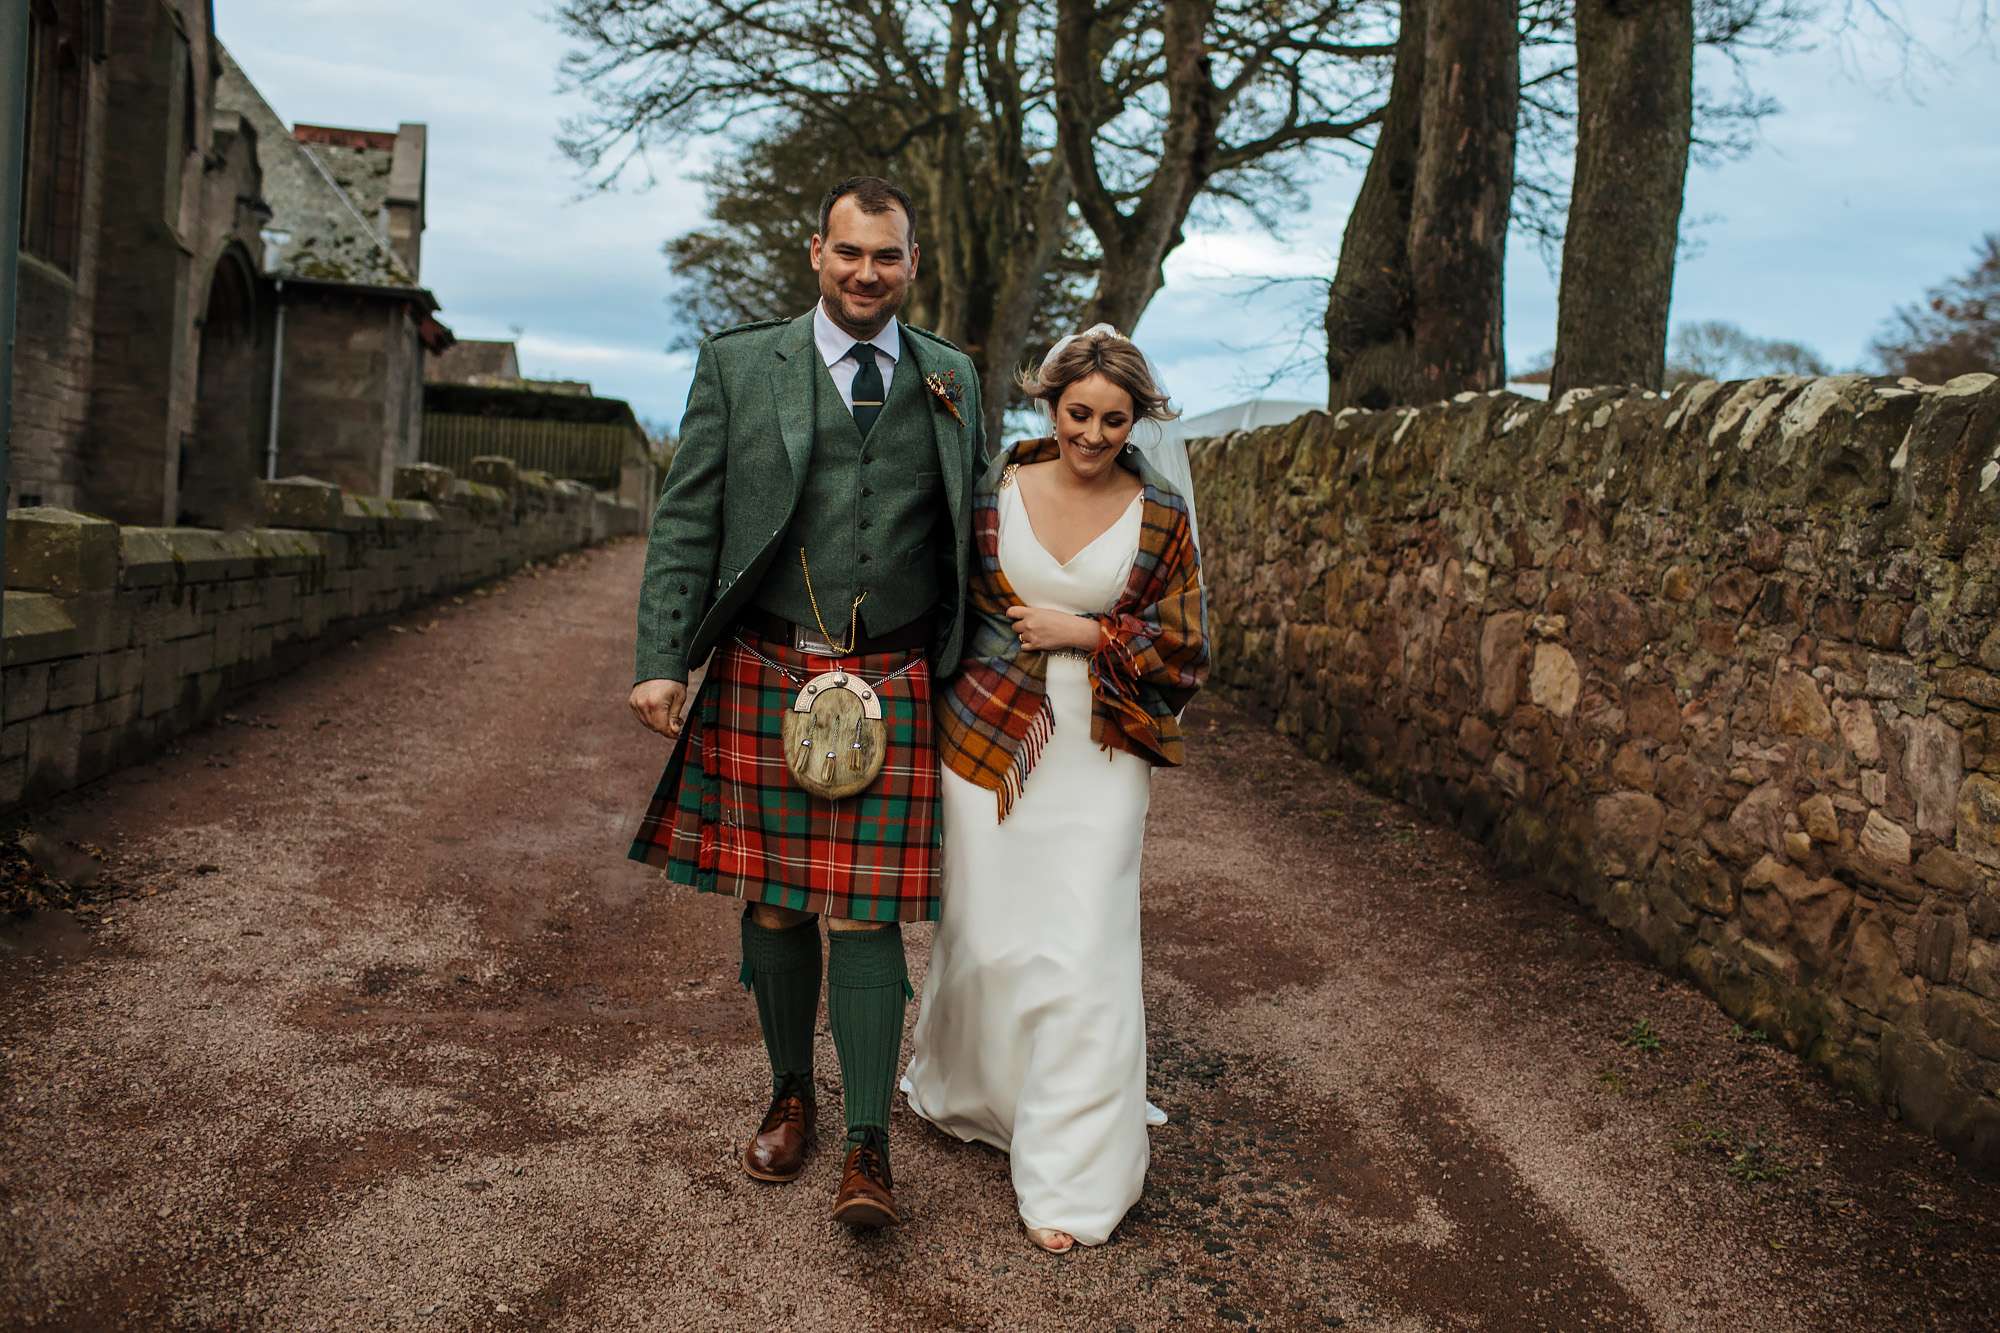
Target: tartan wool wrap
point(995, 718)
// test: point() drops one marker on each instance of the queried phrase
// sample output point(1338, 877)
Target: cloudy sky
point(1872, 184)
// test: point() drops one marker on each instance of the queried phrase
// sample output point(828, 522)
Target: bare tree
point(950, 99)
point(1370, 310)
point(1464, 193)
point(749, 262)
point(1374, 307)
point(1158, 102)
point(1718, 350)
point(1635, 92)
point(1009, 120)
point(1637, 125)
point(1955, 330)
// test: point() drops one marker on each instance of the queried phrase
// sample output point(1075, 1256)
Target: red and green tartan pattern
point(728, 818)
point(994, 718)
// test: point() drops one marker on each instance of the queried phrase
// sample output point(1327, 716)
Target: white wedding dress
point(1031, 1035)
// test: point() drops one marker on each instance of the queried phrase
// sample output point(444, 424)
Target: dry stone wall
point(1723, 664)
point(118, 639)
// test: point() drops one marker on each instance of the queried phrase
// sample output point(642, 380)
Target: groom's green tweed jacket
point(746, 447)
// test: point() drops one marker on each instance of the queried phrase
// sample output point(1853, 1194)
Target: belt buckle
point(805, 641)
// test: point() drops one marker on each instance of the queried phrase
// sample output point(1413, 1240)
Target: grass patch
point(1737, 1032)
point(1752, 1164)
point(1692, 1136)
point(1747, 1159)
point(1641, 1037)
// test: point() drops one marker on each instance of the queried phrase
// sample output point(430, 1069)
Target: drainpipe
point(277, 388)
point(13, 132)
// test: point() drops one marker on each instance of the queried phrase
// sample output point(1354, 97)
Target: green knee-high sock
point(781, 967)
point(867, 987)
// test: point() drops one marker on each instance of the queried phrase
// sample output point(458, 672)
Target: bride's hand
point(1048, 631)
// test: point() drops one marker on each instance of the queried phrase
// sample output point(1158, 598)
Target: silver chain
point(799, 681)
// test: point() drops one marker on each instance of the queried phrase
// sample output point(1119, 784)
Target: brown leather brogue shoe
point(867, 1200)
point(783, 1142)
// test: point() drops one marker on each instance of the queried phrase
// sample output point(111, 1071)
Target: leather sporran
point(834, 737)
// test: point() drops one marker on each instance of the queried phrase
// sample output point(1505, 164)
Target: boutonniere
point(945, 388)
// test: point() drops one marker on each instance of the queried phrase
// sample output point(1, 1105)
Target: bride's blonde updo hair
point(1098, 351)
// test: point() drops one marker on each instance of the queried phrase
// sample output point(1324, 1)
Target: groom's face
point(865, 262)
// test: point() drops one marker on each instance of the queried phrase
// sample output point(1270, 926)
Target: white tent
point(1247, 415)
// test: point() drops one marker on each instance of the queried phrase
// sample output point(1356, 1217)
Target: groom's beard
point(862, 321)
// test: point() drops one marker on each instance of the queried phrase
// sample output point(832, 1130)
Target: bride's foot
point(1055, 1242)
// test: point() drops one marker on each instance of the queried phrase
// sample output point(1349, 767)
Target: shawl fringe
point(1114, 678)
point(1036, 739)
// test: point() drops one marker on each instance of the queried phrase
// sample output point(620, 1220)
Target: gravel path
point(375, 1027)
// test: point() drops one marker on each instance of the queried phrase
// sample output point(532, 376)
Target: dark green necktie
point(867, 392)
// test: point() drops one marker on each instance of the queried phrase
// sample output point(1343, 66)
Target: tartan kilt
point(728, 818)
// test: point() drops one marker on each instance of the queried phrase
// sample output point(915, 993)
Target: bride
point(1086, 642)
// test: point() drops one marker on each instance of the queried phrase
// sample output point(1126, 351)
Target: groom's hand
point(657, 704)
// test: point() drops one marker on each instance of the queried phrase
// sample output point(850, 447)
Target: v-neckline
point(1021, 498)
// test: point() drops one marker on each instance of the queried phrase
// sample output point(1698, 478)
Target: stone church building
point(205, 297)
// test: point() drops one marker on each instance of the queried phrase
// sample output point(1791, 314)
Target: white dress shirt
point(834, 343)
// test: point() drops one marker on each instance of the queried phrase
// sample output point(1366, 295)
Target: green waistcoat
point(746, 458)
point(867, 517)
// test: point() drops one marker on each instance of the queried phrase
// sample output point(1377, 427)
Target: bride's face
point(1093, 421)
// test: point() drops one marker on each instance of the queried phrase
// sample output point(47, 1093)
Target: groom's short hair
point(871, 194)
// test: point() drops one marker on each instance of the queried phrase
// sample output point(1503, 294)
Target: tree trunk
point(1635, 101)
point(1135, 244)
point(1464, 187)
point(1024, 259)
point(1370, 311)
point(997, 215)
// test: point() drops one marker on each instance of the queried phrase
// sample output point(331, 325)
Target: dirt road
point(385, 1032)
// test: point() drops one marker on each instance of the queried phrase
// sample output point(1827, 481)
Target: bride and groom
point(936, 687)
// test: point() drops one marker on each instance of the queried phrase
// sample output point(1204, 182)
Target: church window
point(52, 171)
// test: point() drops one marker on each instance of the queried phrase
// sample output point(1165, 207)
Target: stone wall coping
point(60, 551)
point(38, 627)
point(385, 513)
point(301, 502)
point(155, 556)
point(479, 498)
point(494, 470)
point(1854, 443)
point(424, 481)
point(128, 636)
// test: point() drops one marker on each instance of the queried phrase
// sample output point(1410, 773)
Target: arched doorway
point(220, 459)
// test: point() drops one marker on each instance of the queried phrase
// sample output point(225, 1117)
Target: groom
point(817, 510)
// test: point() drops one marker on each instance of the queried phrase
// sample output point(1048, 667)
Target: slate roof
point(331, 240)
point(360, 167)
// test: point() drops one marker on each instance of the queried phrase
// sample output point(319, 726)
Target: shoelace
point(870, 1159)
point(788, 1106)
point(784, 1111)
